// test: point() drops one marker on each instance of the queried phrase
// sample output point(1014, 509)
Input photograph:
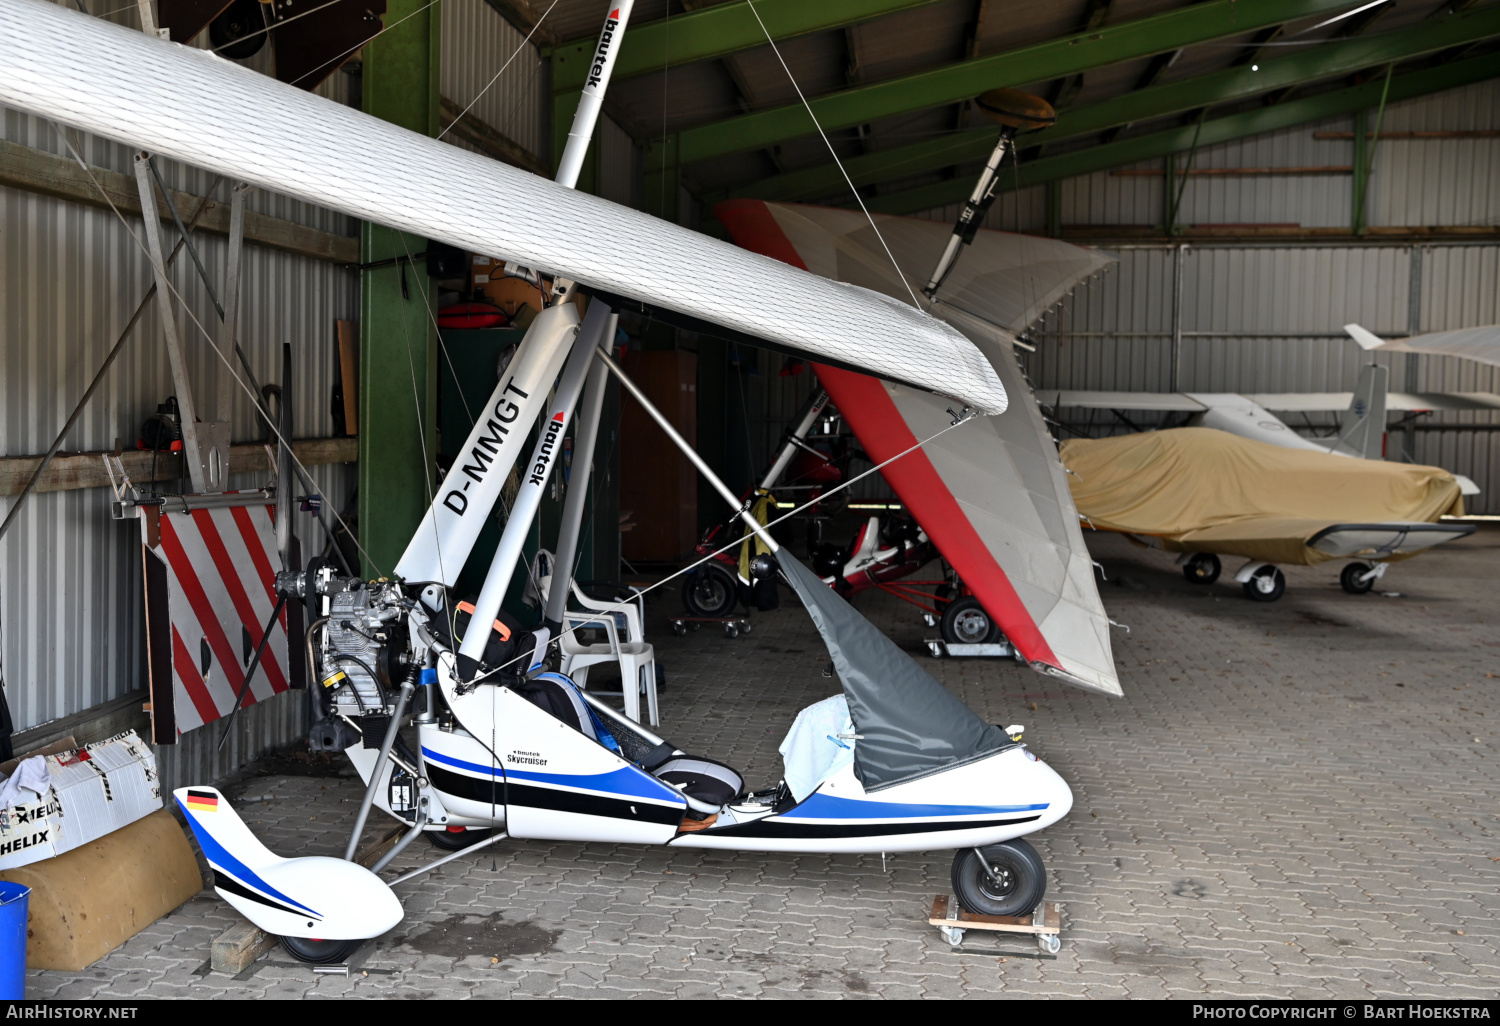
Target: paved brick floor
point(1296, 799)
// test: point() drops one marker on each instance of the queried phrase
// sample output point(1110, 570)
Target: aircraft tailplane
point(1362, 425)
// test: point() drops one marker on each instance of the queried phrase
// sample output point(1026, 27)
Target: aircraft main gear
point(965, 622)
point(711, 591)
point(1009, 880)
point(1357, 579)
point(1203, 568)
point(457, 838)
point(319, 952)
point(1266, 584)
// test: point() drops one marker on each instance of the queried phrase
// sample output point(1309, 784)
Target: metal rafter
point(1328, 61)
point(712, 32)
point(1130, 40)
point(1218, 130)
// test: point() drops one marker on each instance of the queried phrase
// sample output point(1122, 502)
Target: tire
point(1266, 585)
point(1349, 579)
point(965, 622)
point(1021, 888)
point(458, 839)
point(319, 952)
point(1203, 568)
point(711, 590)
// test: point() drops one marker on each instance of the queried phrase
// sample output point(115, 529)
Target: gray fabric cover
point(909, 724)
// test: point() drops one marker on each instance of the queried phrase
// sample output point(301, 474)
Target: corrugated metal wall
point(71, 628)
point(1267, 317)
point(477, 45)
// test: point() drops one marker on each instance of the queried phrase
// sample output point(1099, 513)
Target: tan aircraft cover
point(1201, 490)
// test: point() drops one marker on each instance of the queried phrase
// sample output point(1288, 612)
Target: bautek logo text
point(544, 453)
point(601, 52)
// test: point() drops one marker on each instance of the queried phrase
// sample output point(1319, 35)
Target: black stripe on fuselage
point(553, 800)
point(224, 882)
point(549, 799)
point(470, 789)
point(791, 828)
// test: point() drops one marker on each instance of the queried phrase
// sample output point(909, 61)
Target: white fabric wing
point(192, 106)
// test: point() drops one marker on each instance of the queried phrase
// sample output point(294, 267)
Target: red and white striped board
point(210, 587)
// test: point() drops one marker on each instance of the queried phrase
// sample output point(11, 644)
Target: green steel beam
point(700, 35)
point(1327, 61)
point(1176, 140)
point(1202, 22)
point(398, 351)
point(713, 32)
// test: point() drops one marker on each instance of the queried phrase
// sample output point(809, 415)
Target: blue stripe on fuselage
point(626, 781)
point(216, 853)
point(825, 806)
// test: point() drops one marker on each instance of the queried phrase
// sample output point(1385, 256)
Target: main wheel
point(1017, 887)
point(319, 952)
point(1350, 576)
point(965, 622)
point(710, 591)
point(1266, 584)
point(1203, 568)
point(457, 838)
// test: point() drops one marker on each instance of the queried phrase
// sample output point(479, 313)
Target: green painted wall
point(398, 350)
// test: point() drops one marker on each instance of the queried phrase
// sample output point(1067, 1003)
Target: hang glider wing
point(1481, 344)
point(1200, 490)
point(991, 495)
point(192, 106)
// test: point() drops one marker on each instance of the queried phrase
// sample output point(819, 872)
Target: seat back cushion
point(703, 779)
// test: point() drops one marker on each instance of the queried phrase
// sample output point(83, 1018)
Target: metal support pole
point(691, 453)
point(815, 407)
point(585, 437)
point(407, 687)
point(1175, 384)
point(537, 470)
point(180, 380)
point(1169, 195)
point(1361, 174)
point(229, 337)
point(1413, 327)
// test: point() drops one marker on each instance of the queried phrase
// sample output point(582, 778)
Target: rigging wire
point(212, 347)
point(620, 606)
point(857, 197)
point(492, 81)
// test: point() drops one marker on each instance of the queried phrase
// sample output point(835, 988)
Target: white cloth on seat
point(30, 775)
point(812, 750)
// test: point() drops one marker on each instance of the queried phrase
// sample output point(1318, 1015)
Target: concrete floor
point(1292, 800)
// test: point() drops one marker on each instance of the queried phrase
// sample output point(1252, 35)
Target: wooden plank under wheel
point(953, 921)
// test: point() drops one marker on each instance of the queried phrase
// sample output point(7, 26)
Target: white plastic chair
point(637, 661)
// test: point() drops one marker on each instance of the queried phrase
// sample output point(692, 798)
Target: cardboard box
point(95, 790)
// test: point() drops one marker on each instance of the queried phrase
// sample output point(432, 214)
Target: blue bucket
point(13, 903)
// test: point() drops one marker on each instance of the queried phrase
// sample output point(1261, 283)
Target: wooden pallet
point(952, 920)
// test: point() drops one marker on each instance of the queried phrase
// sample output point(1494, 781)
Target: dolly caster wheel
point(952, 934)
point(1051, 943)
point(731, 631)
point(679, 629)
point(319, 952)
point(745, 627)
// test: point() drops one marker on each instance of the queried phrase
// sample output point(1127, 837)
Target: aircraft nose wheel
point(1010, 881)
point(319, 952)
point(1350, 578)
point(1266, 584)
point(965, 622)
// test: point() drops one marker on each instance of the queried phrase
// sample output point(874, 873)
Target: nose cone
point(1049, 787)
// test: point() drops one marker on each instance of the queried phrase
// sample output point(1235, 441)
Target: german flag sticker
point(203, 801)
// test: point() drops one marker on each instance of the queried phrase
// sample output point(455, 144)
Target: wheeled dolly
point(733, 626)
point(938, 648)
point(952, 921)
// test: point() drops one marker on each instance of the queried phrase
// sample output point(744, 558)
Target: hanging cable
point(492, 81)
point(857, 197)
